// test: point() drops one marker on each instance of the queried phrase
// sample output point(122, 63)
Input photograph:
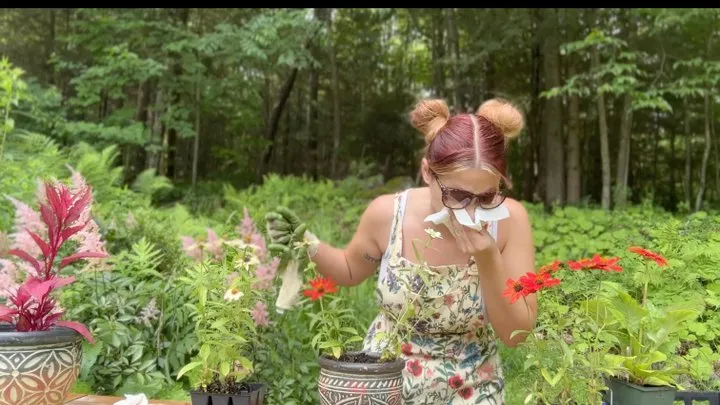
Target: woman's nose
point(471, 208)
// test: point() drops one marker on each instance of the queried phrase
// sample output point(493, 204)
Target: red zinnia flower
point(455, 381)
point(415, 368)
point(661, 261)
point(551, 267)
point(320, 287)
point(465, 392)
point(597, 263)
point(536, 282)
point(514, 291)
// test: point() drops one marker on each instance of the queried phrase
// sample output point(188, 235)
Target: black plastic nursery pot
point(626, 393)
point(38, 368)
point(359, 383)
point(254, 396)
point(687, 397)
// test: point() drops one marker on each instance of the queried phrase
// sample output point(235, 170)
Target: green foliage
point(621, 72)
point(224, 329)
point(12, 90)
point(111, 72)
point(140, 320)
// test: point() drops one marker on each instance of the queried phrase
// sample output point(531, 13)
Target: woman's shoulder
point(517, 209)
point(518, 222)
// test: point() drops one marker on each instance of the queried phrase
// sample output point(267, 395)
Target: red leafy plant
point(64, 214)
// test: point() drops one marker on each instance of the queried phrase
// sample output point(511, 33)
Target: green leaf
point(188, 367)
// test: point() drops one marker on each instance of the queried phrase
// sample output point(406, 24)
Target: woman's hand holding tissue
point(471, 234)
point(474, 242)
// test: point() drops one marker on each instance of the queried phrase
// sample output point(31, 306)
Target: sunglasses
point(455, 198)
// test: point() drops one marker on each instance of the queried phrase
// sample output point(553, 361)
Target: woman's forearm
point(332, 263)
point(504, 317)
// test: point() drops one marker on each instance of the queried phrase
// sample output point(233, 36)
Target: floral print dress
point(452, 356)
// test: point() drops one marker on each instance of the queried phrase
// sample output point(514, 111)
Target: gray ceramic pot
point(360, 383)
point(38, 368)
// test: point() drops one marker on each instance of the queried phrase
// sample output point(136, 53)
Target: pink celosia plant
point(64, 214)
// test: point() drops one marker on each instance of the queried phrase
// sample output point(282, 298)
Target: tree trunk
point(530, 153)
point(454, 49)
point(438, 55)
point(274, 121)
point(50, 46)
point(336, 102)
point(553, 156)
point(196, 143)
point(574, 185)
point(141, 115)
point(156, 132)
point(671, 169)
point(312, 121)
point(171, 144)
point(623, 162)
point(656, 145)
point(604, 143)
point(706, 154)
point(489, 77)
point(688, 156)
point(717, 150)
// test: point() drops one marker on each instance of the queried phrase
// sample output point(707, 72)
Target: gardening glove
point(286, 232)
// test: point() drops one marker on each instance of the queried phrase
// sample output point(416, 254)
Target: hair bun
point(504, 115)
point(429, 116)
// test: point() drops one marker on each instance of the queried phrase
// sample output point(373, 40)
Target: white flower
point(433, 233)
point(233, 294)
point(246, 260)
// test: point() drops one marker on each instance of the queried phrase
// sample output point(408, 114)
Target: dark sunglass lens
point(492, 201)
point(458, 199)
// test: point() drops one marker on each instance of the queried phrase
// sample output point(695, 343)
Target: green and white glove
point(285, 231)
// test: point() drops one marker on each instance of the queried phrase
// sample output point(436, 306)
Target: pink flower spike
point(260, 314)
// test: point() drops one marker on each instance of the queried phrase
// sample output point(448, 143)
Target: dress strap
point(394, 244)
point(396, 238)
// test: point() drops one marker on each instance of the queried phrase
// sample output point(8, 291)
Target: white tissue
point(139, 399)
point(292, 282)
point(481, 216)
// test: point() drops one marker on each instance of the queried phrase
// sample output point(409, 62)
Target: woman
point(453, 358)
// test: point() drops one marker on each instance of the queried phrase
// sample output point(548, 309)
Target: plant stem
point(4, 134)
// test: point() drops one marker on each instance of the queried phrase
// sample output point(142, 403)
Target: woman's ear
point(425, 168)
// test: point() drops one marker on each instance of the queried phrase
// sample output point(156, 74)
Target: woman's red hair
point(466, 141)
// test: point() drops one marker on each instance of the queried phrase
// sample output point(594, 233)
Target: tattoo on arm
point(371, 259)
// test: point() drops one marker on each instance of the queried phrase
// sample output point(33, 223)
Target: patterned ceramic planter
point(38, 368)
point(360, 383)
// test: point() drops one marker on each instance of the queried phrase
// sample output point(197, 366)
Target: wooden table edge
point(85, 399)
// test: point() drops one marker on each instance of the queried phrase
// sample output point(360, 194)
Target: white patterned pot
point(38, 368)
point(342, 383)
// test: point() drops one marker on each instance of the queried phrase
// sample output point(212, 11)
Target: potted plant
point(347, 373)
point(224, 298)
point(35, 344)
point(644, 337)
point(616, 345)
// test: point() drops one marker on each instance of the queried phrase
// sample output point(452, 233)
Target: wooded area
point(620, 103)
